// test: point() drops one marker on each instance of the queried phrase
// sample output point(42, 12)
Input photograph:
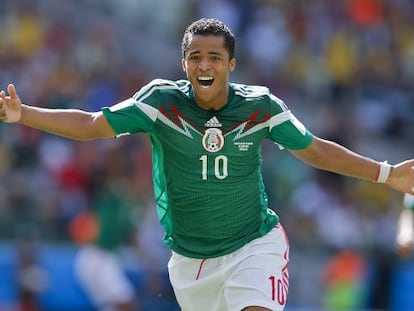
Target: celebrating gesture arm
point(330, 156)
point(71, 123)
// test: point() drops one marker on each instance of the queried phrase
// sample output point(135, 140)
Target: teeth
point(205, 78)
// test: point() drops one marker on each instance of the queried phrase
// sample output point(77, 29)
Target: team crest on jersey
point(213, 140)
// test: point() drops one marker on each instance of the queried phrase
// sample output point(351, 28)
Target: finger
point(3, 94)
point(12, 91)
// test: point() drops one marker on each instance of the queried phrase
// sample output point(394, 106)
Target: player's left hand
point(10, 106)
point(402, 177)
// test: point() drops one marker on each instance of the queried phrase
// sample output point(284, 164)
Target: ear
point(232, 64)
point(183, 66)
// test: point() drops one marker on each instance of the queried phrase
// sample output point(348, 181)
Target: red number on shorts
point(282, 290)
point(272, 280)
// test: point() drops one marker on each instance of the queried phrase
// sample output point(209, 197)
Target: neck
point(215, 103)
point(211, 106)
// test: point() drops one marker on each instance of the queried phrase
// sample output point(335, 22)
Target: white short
point(101, 275)
point(254, 275)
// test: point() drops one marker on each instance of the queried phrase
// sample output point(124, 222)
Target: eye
point(215, 58)
point(194, 58)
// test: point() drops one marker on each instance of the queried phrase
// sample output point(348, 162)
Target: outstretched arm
point(330, 156)
point(71, 123)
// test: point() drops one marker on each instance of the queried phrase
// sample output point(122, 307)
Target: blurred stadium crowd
point(346, 69)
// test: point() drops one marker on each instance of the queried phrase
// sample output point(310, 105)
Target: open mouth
point(205, 81)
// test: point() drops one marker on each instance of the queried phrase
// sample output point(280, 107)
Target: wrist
point(384, 172)
point(23, 107)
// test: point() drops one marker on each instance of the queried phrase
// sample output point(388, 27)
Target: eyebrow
point(209, 53)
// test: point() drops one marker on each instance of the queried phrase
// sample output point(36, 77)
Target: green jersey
point(207, 177)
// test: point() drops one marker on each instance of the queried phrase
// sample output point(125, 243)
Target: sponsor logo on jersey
point(213, 122)
point(213, 140)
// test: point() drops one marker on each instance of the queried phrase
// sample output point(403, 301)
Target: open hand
point(10, 106)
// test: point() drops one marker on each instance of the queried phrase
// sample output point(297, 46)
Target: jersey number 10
point(220, 166)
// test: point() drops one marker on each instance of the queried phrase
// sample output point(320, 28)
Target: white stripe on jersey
point(157, 84)
point(123, 104)
point(148, 110)
point(287, 116)
point(186, 126)
point(252, 130)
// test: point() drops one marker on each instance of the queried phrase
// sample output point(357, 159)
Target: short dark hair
point(206, 27)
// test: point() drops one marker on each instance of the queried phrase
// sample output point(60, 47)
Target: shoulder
point(163, 86)
point(249, 91)
point(169, 84)
point(259, 93)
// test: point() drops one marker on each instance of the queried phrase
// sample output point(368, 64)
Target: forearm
point(70, 123)
point(330, 156)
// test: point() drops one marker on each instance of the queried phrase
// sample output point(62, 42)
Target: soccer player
point(229, 251)
point(405, 228)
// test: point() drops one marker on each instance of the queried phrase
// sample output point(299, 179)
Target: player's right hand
point(10, 106)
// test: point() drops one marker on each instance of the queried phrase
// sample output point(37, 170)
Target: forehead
point(206, 44)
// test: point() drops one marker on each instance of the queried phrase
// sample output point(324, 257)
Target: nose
point(204, 64)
